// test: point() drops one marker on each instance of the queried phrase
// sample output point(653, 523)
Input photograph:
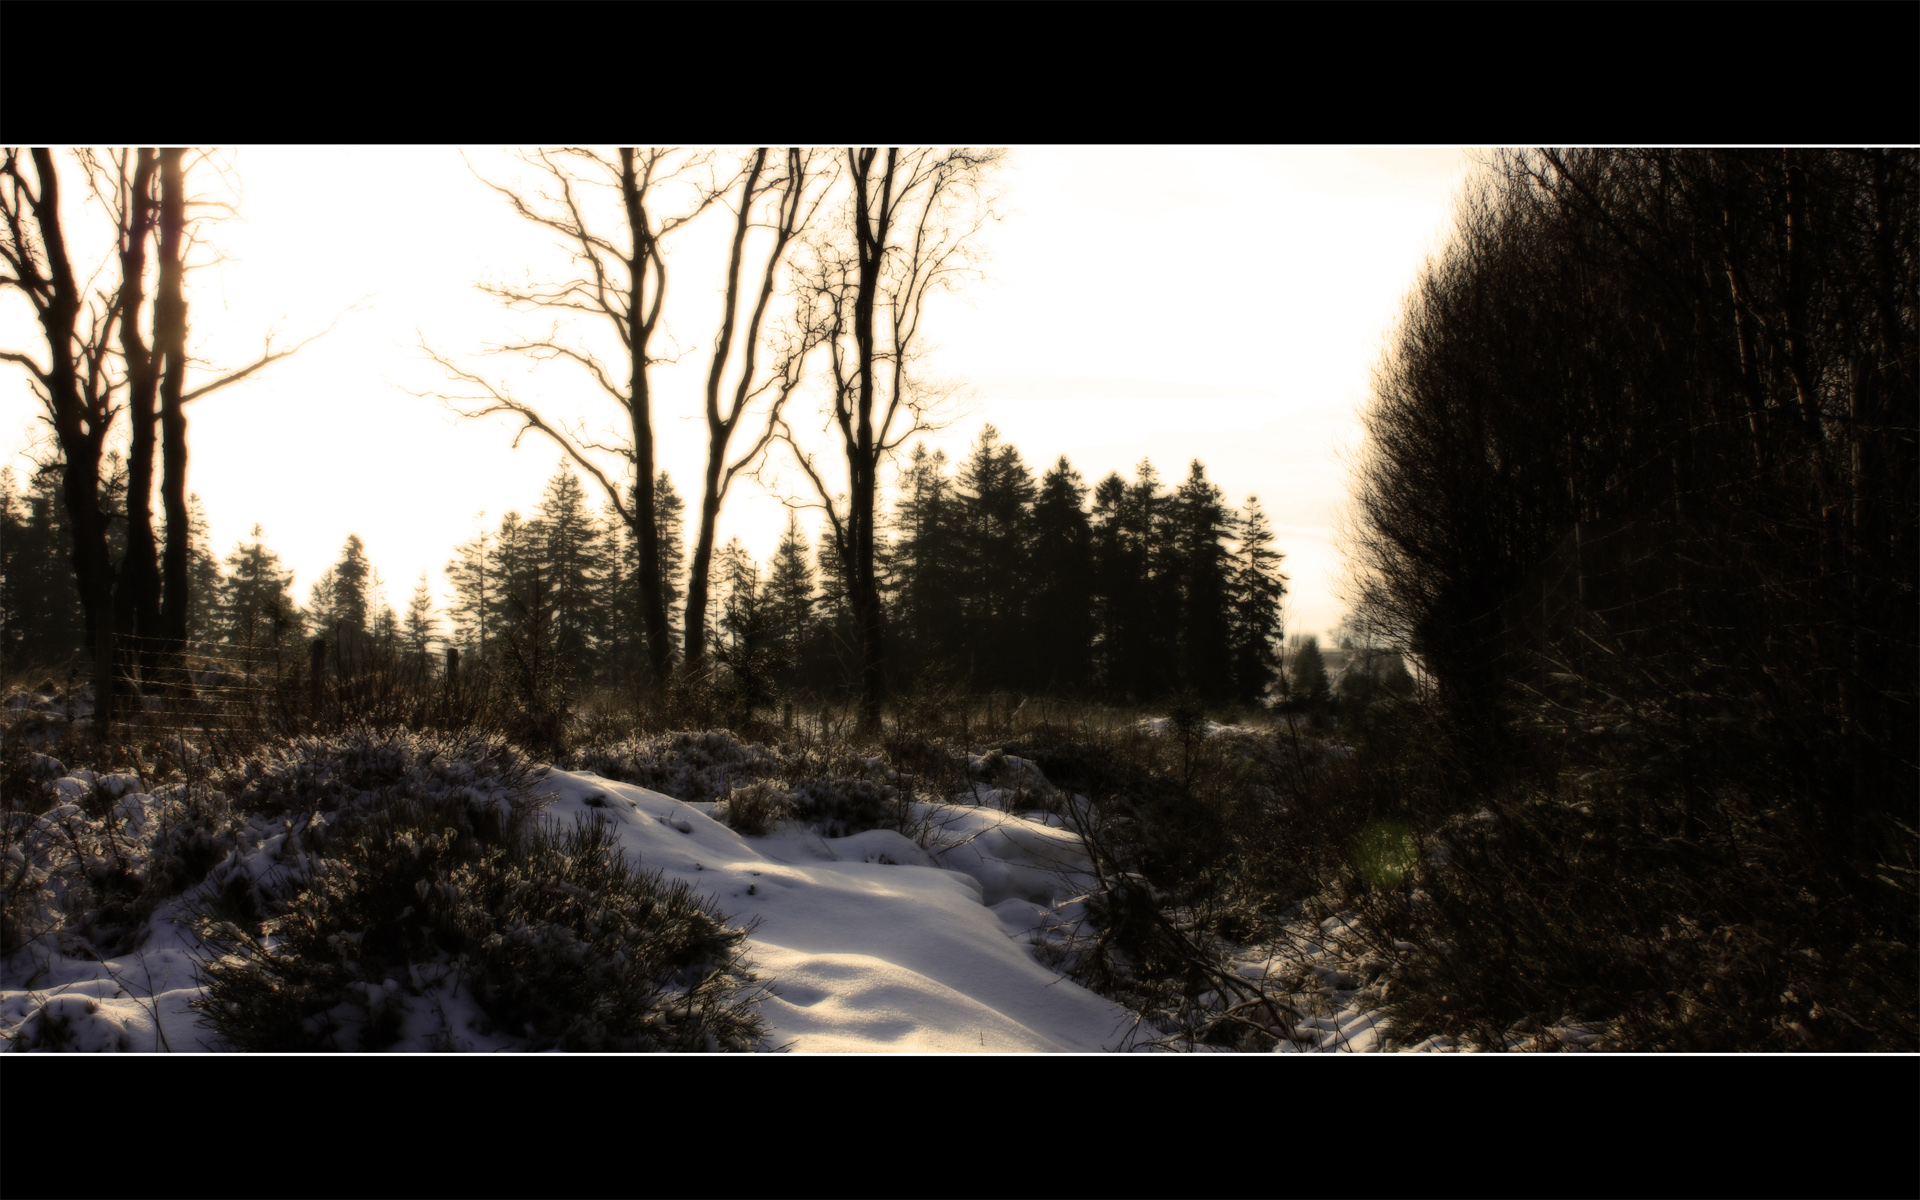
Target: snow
point(872, 946)
point(950, 941)
point(871, 942)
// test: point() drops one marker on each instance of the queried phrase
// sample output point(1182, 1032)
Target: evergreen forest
point(993, 580)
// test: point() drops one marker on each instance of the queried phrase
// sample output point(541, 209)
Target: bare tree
point(796, 193)
point(624, 283)
point(906, 230)
point(98, 365)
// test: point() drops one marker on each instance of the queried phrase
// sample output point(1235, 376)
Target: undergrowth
point(550, 931)
point(1560, 878)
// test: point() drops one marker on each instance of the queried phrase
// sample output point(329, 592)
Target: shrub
point(549, 931)
point(753, 809)
point(686, 766)
point(1688, 927)
point(847, 806)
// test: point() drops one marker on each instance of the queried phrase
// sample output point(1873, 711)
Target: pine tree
point(1200, 560)
point(513, 563)
point(925, 620)
point(1156, 630)
point(473, 592)
point(349, 606)
point(836, 653)
point(1258, 588)
point(1137, 584)
point(1117, 573)
point(419, 630)
point(385, 637)
point(1309, 674)
point(42, 615)
point(383, 626)
point(321, 598)
point(1062, 581)
point(790, 603)
point(996, 492)
point(522, 617)
point(571, 555)
point(256, 613)
point(743, 633)
point(203, 575)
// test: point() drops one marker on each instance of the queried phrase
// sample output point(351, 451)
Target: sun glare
point(1263, 277)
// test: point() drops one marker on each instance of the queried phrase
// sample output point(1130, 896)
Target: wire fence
point(220, 689)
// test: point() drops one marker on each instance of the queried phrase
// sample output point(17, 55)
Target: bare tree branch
point(268, 357)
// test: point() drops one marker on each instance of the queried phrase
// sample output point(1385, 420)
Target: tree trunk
point(81, 432)
point(697, 582)
point(136, 598)
point(653, 600)
point(863, 460)
point(170, 343)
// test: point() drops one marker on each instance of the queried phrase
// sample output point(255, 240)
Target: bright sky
point(1262, 280)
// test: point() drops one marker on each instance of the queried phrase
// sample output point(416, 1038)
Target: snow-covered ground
point(869, 945)
point(875, 942)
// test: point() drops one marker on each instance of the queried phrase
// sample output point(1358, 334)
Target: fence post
point(453, 680)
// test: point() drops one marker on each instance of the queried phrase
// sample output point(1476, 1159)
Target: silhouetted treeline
point(42, 620)
point(996, 580)
point(991, 579)
point(1645, 446)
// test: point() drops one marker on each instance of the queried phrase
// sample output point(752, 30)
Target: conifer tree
point(256, 613)
point(523, 614)
point(836, 653)
point(513, 562)
point(790, 603)
point(996, 492)
point(1137, 577)
point(349, 605)
point(1309, 672)
point(571, 551)
point(1062, 605)
point(1117, 573)
point(203, 575)
point(926, 618)
point(743, 633)
point(1148, 521)
point(384, 637)
point(41, 620)
point(473, 592)
point(49, 615)
point(321, 601)
point(1198, 521)
point(669, 512)
point(419, 630)
point(383, 626)
point(1258, 588)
